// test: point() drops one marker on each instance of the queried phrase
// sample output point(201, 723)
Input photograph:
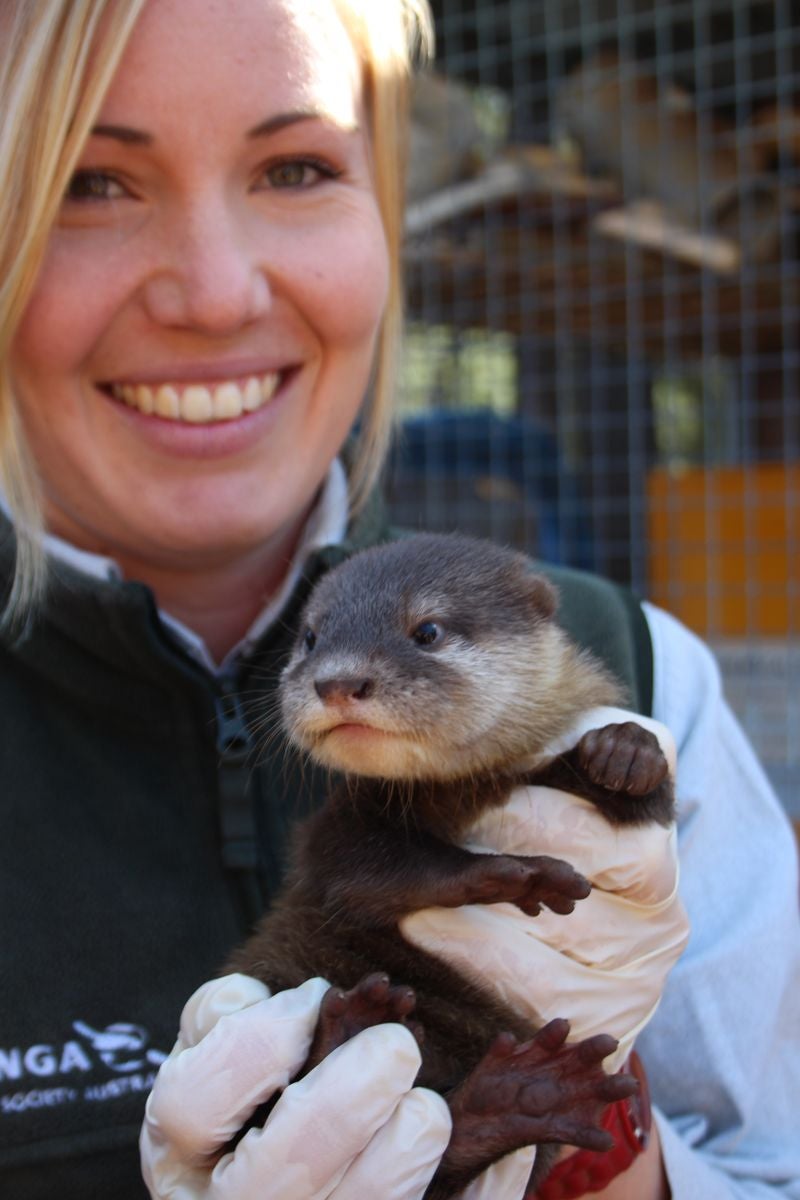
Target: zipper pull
point(234, 740)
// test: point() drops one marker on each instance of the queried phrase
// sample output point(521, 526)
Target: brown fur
point(432, 673)
point(501, 684)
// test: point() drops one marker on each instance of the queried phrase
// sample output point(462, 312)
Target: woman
point(201, 215)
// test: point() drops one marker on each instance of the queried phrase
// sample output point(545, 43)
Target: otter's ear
point(543, 595)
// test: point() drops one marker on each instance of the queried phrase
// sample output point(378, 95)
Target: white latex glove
point(604, 966)
point(354, 1126)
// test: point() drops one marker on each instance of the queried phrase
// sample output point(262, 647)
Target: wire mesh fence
point(604, 290)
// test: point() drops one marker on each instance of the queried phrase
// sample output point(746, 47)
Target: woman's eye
point(428, 633)
point(298, 173)
point(93, 185)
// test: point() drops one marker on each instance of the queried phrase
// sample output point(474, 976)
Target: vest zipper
point(236, 778)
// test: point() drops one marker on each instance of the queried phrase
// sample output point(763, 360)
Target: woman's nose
point(210, 276)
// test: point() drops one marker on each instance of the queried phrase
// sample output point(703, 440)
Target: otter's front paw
point(623, 758)
point(528, 882)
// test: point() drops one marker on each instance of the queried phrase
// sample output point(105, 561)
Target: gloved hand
point(604, 966)
point(354, 1126)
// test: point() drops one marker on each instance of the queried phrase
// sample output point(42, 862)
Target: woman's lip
point(212, 374)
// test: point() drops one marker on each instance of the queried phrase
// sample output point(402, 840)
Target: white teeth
point(143, 399)
point(251, 400)
point(268, 386)
point(227, 402)
point(167, 403)
point(198, 404)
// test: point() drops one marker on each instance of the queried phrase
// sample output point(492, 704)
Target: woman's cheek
point(349, 285)
point(76, 298)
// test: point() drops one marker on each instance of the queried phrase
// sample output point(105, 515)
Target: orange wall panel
point(724, 547)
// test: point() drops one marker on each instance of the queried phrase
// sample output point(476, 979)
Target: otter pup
point(431, 673)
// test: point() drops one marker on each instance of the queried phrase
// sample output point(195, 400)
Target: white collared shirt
point(326, 526)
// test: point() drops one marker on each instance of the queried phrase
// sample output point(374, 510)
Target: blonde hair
point(57, 61)
point(392, 39)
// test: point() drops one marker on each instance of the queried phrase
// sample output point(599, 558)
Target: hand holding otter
point(605, 965)
point(238, 1046)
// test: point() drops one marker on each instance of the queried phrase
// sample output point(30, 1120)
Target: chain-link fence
point(602, 276)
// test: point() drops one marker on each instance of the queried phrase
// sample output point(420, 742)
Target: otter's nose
point(333, 691)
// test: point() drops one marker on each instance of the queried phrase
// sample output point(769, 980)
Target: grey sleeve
point(723, 1051)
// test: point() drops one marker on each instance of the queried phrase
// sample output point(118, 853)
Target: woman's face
point(202, 332)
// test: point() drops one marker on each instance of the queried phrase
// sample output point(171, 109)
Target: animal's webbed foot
point(373, 1001)
point(528, 1093)
point(528, 882)
point(623, 758)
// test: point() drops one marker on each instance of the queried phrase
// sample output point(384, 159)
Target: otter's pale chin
point(360, 749)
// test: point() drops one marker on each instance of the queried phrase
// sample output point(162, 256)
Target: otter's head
point(433, 657)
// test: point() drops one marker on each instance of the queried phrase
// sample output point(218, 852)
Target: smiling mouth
point(199, 404)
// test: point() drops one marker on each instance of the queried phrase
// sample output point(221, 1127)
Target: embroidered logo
point(122, 1049)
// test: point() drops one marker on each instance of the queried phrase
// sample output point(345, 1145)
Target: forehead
point(208, 56)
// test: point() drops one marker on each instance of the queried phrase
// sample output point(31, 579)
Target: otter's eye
point(309, 639)
point(428, 633)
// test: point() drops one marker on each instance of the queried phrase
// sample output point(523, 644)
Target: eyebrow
point(138, 137)
point(122, 133)
point(282, 120)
